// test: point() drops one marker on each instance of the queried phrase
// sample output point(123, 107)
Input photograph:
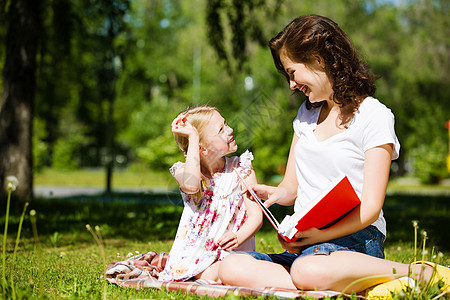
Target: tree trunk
point(17, 98)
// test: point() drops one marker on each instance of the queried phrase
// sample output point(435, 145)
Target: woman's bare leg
point(347, 271)
point(243, 270)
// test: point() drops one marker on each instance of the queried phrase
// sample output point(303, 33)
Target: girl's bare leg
point(211, 273)
point(243, 270)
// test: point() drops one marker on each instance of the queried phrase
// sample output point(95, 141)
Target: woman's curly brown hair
point(309, 36)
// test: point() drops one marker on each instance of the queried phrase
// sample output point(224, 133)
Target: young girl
point(340, 129)
point(217, 218)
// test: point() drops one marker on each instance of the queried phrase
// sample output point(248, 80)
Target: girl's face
point(311, 80)
point(219, 136)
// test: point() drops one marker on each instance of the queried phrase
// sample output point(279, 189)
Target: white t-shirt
point(319, 163)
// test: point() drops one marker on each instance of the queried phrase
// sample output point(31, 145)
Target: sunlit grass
point(412, 185)
point(69, 265)
point(97, 178)
point(143, 177)
point(73, 271)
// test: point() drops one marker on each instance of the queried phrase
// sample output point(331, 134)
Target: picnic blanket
point(141, 271)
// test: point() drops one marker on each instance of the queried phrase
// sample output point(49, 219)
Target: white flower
point(246, 159)
point(13, 182)
point(137, 252)
point(129, 254)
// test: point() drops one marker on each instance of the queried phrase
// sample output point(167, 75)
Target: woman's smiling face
point(312, 80)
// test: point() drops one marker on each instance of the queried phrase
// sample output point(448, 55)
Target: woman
point(340, 129)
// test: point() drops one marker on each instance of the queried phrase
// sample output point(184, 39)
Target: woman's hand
point(291, 247)
point(263, 191)
point(272, 195)
point(181, 125)
point(306, 237)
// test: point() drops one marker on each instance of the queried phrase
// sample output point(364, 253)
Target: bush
point(40, 148)
point(429, 162)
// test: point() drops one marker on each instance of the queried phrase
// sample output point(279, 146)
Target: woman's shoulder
point(370, 104)
point(371, 108)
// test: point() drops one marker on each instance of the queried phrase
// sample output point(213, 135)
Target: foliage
point(245, 26)
point(40, 148)
point(66, 149)
point(152, 125)
point(428, 164)
point(164, 56)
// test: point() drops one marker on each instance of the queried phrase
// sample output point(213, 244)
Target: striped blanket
point(141, 271)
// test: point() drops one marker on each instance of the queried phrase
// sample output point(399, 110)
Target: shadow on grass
point(143, 217)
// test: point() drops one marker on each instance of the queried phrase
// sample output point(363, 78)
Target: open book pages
point(334, 203)
point(287, 227)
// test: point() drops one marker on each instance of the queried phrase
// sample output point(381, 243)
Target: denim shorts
point(368, 241)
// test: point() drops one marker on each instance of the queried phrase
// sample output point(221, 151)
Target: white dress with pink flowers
point(220, 209)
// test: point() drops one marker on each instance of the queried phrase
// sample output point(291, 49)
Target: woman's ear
point(320, 61)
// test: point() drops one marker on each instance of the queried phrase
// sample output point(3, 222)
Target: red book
point(335, 202)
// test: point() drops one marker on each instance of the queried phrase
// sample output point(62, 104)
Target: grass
point(67, 262)
point(97, 178)
point(410, 185)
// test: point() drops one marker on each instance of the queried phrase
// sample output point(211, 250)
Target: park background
point(94, 105)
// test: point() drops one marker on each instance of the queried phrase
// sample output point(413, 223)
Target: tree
point(17, 98)
point(244, 27)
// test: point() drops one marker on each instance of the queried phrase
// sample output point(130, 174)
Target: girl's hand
point(182, 126)
point(228, 241)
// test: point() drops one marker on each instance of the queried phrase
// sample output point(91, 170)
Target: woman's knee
point(309, 273)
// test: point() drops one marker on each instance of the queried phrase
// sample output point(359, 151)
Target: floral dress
point(220, 209)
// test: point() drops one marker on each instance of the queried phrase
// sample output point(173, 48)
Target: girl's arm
point(376, 174)
point(286, 192)
point(188, 176)
point(230, 240)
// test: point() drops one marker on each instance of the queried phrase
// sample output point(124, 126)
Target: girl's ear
point(203, 151)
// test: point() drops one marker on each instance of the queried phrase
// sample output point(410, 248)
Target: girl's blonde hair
point(198, 116)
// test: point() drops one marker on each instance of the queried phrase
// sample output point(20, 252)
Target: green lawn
point(67, 262)
point(97, 178)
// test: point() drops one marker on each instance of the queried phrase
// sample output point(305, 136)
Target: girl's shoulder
point(242, 162)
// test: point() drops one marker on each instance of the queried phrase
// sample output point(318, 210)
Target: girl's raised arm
point(188, 176)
